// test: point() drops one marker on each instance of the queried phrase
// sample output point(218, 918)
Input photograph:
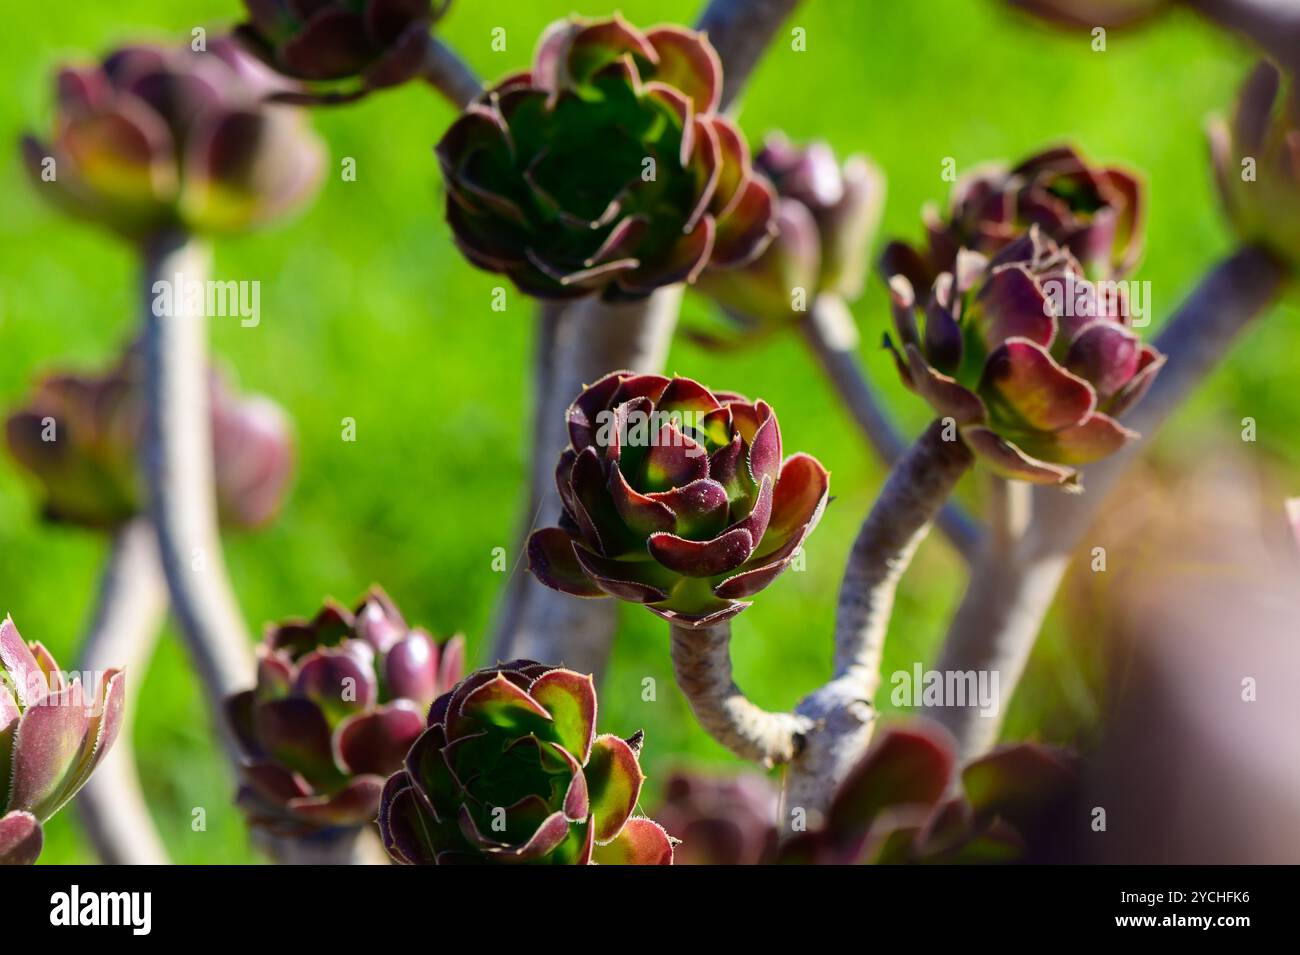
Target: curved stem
point(451, 76)
point(841, 711)
point(702, 666)
point(122, 632)
point(740, 30)
point(831, 334)
point(1272, 25)
point(1010, 592)
point(177, 451)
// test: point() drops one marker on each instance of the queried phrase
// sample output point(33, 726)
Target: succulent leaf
point(53, 733)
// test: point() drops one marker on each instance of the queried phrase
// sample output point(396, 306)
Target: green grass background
point(368, 312)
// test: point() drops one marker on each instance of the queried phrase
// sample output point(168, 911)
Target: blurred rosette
point(908, 801)
point(341, 49)
point(339, 700)
point(79, 436)
point(1095, 212)
point(1257, 164)
point(827, 214)
point(720, 820)
point(156, 138)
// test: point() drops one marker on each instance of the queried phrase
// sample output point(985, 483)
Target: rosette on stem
point(339, 700)
point(158, 138)
point(1094, 212)
point(79, 436)
point(1257, 164)
point(676, 497)
point(606, 168)
point(1031, 361)
point(898, 805)
point(343, 49)
point(826, 216)
point(510, 770)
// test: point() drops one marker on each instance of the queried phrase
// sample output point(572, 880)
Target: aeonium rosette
point(339, 700)
point(675, 497)
point(54, 731)
point(79, 435)
point(157, 138)
point(343, 48)
point(1095, 212)
point(827, 213)
point(606, 168)
point(1257, 164)
point(510, 770)
point(1031, 361)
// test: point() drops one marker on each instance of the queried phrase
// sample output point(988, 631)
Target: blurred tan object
point(1200, 758)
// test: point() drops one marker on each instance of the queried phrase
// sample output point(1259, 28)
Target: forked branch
point(1009, 593)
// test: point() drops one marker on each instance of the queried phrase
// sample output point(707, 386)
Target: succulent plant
point(675, 497)
point(510, 770)
point(606, 168)
point(1089, 14)
point(79, 436)
point(1257, 164)
point(826, 216)
point(1033, 362)
point(53, 734)
point(343, 48)
point(339, 700)
point(157, 138)
point(720, 820)
point(1094, 212)
point(896, 805)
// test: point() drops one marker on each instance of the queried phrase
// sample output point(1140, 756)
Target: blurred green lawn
point(368, 312)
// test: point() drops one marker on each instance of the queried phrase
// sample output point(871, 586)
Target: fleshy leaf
point(614, 780)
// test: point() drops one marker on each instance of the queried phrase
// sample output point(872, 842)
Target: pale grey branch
point(830, 334)
point(841, 711)
point(122, 632)
point(702, 666)
point(445, 71)
point(741, 30)
point(178, 469)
